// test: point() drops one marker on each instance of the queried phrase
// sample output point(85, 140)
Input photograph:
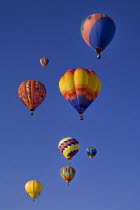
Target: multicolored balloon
point(44, 61)
point(91, 152)
point(67, 173)
point(32, 93)
point(69, 147)
point(33, 188)
point(80, 87)
point(98, 31)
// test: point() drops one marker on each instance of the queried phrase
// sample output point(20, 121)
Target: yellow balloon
point(80, 87)
point(33, 188)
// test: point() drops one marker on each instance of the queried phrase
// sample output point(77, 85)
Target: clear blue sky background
point(30, 30)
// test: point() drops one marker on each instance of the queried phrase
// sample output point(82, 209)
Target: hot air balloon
point(80, 87)
point(33, 188)
point(91, 152)
point(44, 61)
point(69, 147)
point(67, 173)
point(32, 93)
point(98, 31)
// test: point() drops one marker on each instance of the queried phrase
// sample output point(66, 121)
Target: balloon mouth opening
point(99, 50)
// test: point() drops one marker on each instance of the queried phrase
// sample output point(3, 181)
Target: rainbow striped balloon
point(80, 87)
point(69, 147)
point(67, 173)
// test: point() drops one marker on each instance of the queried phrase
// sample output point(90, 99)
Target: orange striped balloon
point(32, 93)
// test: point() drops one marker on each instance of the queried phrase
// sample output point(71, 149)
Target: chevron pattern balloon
point(69, 147)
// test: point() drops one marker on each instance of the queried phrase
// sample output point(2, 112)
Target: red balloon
point(32, 93)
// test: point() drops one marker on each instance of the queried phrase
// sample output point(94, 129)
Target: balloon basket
point(98, 56)
point(31, 113)
point(81, 117)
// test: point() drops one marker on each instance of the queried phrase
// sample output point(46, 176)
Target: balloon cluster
point(69, 147)
point(80, 87)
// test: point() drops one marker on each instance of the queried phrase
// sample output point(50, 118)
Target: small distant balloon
point(98, 31)
point(67, 173)
point(91, 152)
point(44, 61)
point(33, 188)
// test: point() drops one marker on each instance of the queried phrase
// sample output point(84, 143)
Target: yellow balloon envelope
point(33, 188)
point(80, 87)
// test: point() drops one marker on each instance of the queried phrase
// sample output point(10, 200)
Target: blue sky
point(29, 145)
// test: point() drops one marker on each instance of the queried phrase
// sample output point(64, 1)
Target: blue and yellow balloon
point(91, 152)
